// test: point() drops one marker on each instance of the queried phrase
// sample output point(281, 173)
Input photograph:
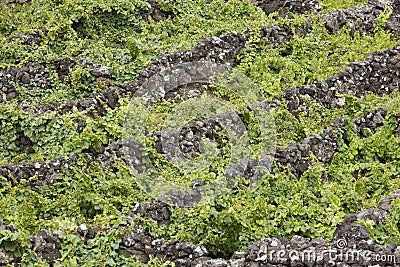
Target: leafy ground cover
point(116, 34)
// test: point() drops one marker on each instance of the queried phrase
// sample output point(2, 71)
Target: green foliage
point(115, 34)
point(306, 59)
point(13, 242)
point(388, 231)
point(329, 5)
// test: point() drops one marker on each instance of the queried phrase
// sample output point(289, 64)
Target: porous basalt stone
point(393, 23)
point(370, 120)
point(351, 233)
point(158, 211)
point(378, 74)
point(45, 171)
point(138, 243)
point(17, 2)
point(323, 146)
point(155, 12)
point(360, 18)
point(85, 232)
point(47, 245)
point(6, 257)
point(32, 75)
point(219, 49)
point(33, 38)
point(285, 8)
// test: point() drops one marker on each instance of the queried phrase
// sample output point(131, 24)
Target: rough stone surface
point(349, 239)
point(351, 233)
point(186, 92)
point(221, 50)
point(376, 215)
point(15, 2)
point(138, 243)
point(155, 12)
point(323, 146)
point(275, 35)
point(158, 211)
point(63, 67)
point(378, 74)
point(45, 171)
point(371, 120)
point(361, 18)
point(33, 75)
point(393, 23)
point(85, 232)
point(186, 143)
point(285, 8)
point(6, 227)
point(33, 38)
point(46, 245)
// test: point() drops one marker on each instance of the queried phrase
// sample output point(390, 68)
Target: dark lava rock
point(86, 232)
point(276, 35)
point(182, 198)
point(186, 143)
point(284, 7)
point(7, 85)
point(376, 215)
point(6, 227)
point(33, 75)
point(6, 257)
point(155, 12)
point(158, 211)
point(348, 235)
point(393, 23)
point(139, 244)
point(359, 18)
point(370, 120)
point(46, 245)
point(188, 91)
point(323, 146)
point(45, 171)
point(19, 2)
point(219, 49)
point(63, 67)
point(378, 74)
point(300, 243)
point(33, 38)
point(25, 144)
point(97, 70)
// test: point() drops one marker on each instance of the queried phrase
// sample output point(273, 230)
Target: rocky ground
point(378, 74)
